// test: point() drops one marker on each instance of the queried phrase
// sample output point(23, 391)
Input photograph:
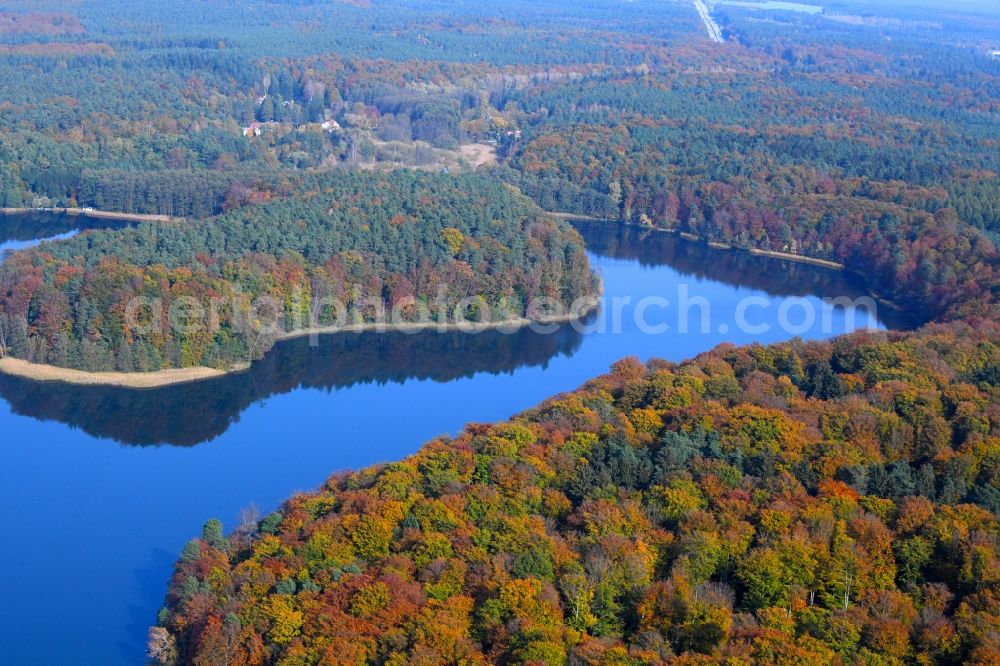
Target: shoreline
point(175, 376)
point(514, 324)
point(813, 261)
point(91, 212)
point(715, 245)
point(41, 372)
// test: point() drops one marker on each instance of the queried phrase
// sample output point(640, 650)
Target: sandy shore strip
point(133, 380)
point(147, 380)
point(569, 217)
point(90, 212)
point(715, 245)
point(802, 259)
point(508, 325)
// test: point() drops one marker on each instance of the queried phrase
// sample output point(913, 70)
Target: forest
point(342, 248)
point(816, 503)
point(803, 503)
point(806, 134)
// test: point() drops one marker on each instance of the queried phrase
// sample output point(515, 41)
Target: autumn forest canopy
point(803, 503)
point(796, 504)
point(332, 249)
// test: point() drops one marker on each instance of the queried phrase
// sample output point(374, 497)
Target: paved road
point(714, 31)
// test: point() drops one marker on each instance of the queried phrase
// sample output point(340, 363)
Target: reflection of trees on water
point(775, 277)
point(193, 413)
point(35, 225)
point(189, 414)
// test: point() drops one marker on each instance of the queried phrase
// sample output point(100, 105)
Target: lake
point(101, 488)
point(23, 230)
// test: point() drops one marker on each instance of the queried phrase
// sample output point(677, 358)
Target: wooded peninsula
point(421, 246)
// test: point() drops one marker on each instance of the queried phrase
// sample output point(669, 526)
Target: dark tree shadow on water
point(774, 276)
point(190, 414)
point(34, 225)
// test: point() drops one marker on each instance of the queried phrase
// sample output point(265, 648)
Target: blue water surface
point(101, 488)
